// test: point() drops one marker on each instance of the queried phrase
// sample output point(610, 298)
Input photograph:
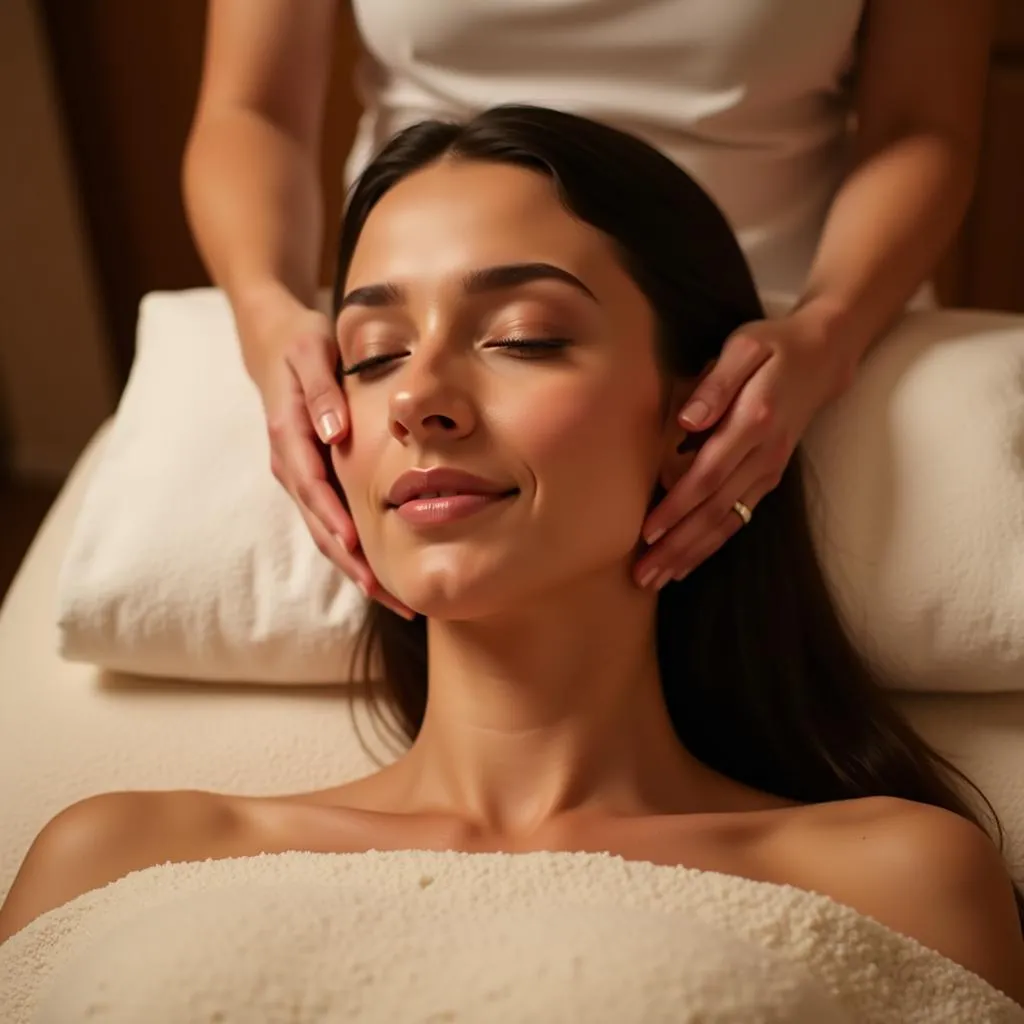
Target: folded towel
point(427, 936)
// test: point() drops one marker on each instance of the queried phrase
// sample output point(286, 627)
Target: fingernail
point(341, 540)
point(681, 575)
point(330, 425)
point(663, 579)
point(695, 413)
point(654, 536)
point(363, 589)
point(648, 576)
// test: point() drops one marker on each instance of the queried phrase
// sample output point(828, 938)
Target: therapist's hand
point(303, 403)
point(770, 380)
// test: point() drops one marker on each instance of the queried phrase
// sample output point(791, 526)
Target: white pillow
point(189, 560)
point(919, 522)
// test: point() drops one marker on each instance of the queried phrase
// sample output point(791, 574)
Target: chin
point(448, 601)
point(450, 591)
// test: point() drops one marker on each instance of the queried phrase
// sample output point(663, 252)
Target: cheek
point(594, 446)
point(357, 460)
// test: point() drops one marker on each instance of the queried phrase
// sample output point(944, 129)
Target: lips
point(418, 484)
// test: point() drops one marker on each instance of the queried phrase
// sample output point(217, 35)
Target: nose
point(430, 404)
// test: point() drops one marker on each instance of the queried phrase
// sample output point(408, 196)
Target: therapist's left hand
point(770, 380)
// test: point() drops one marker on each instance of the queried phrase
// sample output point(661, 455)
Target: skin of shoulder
point(103, 838)
point(927, 873)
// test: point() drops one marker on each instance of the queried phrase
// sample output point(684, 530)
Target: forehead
point(456, 215)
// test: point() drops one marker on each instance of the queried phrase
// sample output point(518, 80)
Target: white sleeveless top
point(750, 96)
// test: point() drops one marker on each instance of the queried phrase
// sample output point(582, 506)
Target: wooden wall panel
point(128, 73)
point(56, 381)
point(985, 268)
point(1010, 29)
point(994, 261)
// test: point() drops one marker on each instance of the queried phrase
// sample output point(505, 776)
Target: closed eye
point(531, 348)
point(522, 348)
point(370, 363)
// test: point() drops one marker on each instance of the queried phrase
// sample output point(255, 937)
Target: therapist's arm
point(251, 170)
point(252, 191)
point(922, 73)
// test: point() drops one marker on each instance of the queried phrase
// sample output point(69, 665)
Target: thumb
point(741, 355)
point(314, 363)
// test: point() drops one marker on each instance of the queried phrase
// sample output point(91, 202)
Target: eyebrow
point(488, 279)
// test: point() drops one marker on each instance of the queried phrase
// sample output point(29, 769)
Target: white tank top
point(752, 97)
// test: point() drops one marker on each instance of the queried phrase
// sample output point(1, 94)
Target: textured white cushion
point(920, 512)
point(188, 560)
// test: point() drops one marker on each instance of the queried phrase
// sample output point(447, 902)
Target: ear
point(680, 445)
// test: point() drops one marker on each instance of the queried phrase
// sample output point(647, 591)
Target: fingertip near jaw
point(371, 590)
point(395, 606)
point(656, 577)
point(646, 576)
point(329, 427)
point(653, 577)
point(695, 415)
point(349, 542)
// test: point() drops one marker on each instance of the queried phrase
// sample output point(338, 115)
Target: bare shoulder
point(927, 873)
point(105, 837)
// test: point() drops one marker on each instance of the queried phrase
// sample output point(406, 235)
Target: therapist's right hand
point(303, 402)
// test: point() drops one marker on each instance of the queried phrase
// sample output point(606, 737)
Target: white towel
point(188, 560)
point(454, 937)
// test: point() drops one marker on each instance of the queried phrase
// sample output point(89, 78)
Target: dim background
point(96, 97)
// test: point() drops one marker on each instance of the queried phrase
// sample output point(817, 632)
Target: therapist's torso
point(750, 96)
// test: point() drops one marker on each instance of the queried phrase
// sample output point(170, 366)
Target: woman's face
point(505, 342)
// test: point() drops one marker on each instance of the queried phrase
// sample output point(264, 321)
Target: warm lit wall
point(55, 374)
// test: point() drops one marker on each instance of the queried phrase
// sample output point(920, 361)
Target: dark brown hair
point(760, 679)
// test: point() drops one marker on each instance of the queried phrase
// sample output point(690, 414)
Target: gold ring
point(742, 511)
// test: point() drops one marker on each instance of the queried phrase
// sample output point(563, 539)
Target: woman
point(755, 98)
point(524, 304)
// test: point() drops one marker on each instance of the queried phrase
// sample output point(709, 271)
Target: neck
point(547, 711)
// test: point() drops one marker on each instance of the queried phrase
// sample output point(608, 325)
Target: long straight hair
point(758, 673)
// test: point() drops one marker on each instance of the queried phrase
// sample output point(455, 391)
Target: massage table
point(71, 730)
